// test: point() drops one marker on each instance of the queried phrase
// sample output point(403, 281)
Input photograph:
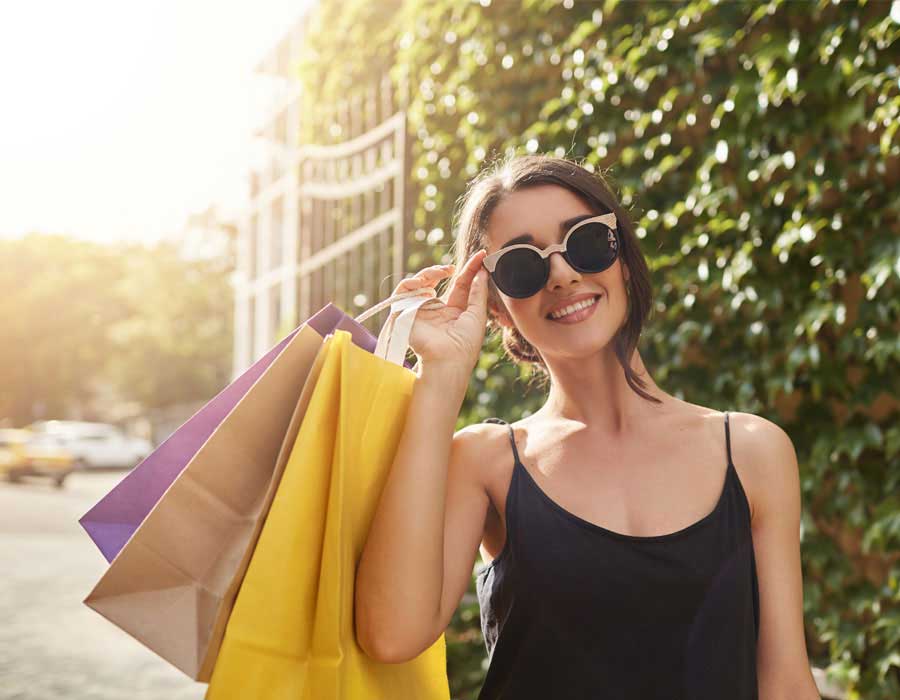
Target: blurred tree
point(180, 321)
point(156, 327)
point(55, 305)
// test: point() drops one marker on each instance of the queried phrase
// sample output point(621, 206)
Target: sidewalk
point(52, 646)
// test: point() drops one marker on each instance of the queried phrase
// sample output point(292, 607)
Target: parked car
point(24, 453)
point(96, 445)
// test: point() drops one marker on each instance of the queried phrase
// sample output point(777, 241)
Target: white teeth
point(573, 308)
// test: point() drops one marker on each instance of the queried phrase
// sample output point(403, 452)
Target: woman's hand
point(450, 333)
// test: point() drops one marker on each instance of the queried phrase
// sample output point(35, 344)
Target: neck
point(596, 394)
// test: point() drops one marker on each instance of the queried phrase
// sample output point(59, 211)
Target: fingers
point(478, 293)
point(461, 284)
point(459, 294)
point(426, 277)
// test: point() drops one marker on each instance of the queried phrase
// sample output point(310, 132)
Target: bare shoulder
point(764, 453)
point(477, 463)
point(475, 448)
point(482, 436)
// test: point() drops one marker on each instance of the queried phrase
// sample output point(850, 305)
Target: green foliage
point(156, 328)
point(181, 319)
point(756, 148)
point(346, 50)
point(54, 304)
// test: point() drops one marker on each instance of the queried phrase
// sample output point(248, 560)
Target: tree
point(156, 327)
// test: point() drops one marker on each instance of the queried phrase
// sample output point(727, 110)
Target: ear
point(500, 315)
point(505, 321)
point(625, 272)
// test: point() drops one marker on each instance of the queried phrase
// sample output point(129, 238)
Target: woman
point(640, 546)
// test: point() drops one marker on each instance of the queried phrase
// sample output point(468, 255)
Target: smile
point(575, 312)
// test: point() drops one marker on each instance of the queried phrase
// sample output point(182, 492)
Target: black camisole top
point(573, 611)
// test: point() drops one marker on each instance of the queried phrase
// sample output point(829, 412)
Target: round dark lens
point(589, 249)
point(519, 273)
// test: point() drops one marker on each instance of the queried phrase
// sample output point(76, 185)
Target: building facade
point(264, 286)
point(326, 221)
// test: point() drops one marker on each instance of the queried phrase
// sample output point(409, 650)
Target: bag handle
point(393, 340)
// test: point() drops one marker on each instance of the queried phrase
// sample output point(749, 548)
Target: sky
point(119, 119)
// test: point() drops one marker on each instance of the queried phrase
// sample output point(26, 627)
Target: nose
point(561, 273)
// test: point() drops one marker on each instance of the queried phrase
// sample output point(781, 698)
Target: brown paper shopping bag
point(114, 518)
point(173, 584)
point(291, 633)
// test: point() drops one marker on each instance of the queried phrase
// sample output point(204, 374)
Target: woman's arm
point(767, 454)
point(423, 541)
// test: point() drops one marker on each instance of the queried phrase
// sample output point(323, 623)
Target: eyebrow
point(563, 227)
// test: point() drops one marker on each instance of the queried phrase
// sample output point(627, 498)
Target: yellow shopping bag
point(291, 633)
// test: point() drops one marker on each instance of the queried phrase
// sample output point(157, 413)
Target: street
point(52, 646)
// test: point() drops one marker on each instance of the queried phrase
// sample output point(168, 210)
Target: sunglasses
point(522, 270)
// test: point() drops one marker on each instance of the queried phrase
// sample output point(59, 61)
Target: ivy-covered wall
point(756, 147)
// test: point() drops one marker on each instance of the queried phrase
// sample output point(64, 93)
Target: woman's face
point(539, 211)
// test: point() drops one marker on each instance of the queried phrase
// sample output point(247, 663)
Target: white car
point(96, 445)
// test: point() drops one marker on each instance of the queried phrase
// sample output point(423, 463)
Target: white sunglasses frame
point(490, 261)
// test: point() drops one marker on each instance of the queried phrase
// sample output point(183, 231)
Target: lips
point(574, 300)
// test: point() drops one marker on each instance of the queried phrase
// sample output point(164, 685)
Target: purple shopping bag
point(112, 521)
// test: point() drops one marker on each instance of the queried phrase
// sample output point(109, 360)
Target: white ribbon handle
point(393, 340)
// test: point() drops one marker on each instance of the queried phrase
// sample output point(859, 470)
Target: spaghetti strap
point(512, 438)
point(728, 439)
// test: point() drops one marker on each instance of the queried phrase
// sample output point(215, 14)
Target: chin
point(583, 343)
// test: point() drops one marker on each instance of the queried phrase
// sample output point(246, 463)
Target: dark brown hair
point(515, 173)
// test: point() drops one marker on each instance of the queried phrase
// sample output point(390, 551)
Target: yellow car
point(23, 453)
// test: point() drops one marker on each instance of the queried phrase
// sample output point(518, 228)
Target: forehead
point(534, 210)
